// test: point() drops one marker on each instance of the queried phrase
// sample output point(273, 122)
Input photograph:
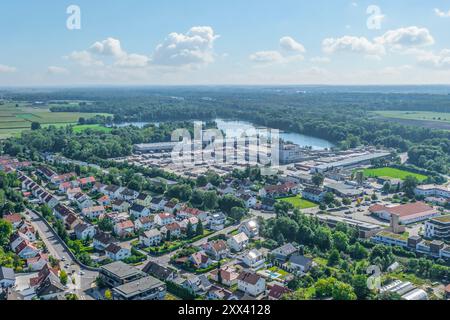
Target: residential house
point(197, 284)
point(283, 253)
point(138, 211)
point(313, 194)
point(250, 228)
point(173, 229)
point(144, 199)
point(276, 292)
point(171, 207)
point(158, 271)
point(124, 228)
point(157, 204)
point(187, 212)
point(268, 204)
point(150, 238)
point(7, 277)
point(249, 200)
point(144, 223)
point(93, 212)
point(219, 293)
point(163, 219)
point(120, 205)
point(200, 260)
point(238, 242)
point(104, 201)
point(26, 250)
point(117, 252)
point(254, 259)
point(15, 219)
point(37, 263)
point(128, 195)
point(228, 274)
point(298, 263)
point(217, 221)
point(216, 249)
point(85, 231)
point(280, 190)
point(50, 288)
point(102, 240)
point(251, 283)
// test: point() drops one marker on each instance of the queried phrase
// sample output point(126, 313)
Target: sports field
point(392, 173)
point(299, 203)
point(14, 119)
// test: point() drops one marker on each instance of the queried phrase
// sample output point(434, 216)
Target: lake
point(235, 128)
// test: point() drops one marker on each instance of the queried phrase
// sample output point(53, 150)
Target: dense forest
point(344, 118)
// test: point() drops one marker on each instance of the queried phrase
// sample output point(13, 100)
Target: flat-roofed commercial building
point(365, 229)
point(438, 228)
point(350, 162)
point(119, 273)
point(147, 288)
point(408, 213)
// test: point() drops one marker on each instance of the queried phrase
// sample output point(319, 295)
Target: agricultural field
point(427, 119)
point(392, 173)
point(15, 119)
point(299, 203)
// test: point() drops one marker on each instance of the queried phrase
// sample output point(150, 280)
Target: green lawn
point(95, 127)
point(392, 173)
point(299, 203)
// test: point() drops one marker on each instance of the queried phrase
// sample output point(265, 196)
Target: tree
point(6, 230)
point(202, 181)
point(237, 213)
point(340, 241)
point(386, 187)
point(358, 252)
point(334, 258)
point(328, 198)
point(63, 277)
point(409, 185)
point(343, 291)
point(318, 179)
point(108, 294)
point(227, 202)
point(106, 224)
point(359, 283)
point(282, 208)
point(210, 200)
point(189, 230)
point(200, 230)
point(35, 126)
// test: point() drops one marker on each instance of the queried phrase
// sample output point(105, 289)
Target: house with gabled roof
point(251, 283)
point(138, 211)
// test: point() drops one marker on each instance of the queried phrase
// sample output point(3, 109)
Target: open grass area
point(299, 203)
point(95, 127)
point(15, 119)
point(416, 115)
point(392, 173)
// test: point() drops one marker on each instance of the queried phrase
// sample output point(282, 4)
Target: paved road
point(56, 249)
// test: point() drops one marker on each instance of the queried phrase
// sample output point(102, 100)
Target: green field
point(416, 115)
point(392, 173)
point(14, 120)
point(299, 203)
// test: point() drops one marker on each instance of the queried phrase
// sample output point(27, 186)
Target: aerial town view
point(185, 151)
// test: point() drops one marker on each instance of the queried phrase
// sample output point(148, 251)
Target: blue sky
point(225, 42)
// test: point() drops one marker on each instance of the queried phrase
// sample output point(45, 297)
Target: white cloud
point(57, 70)
point(84, 58)
point(442, 14)
point(439, 60)
point(352, 44)
point(108, 47)
point(290, 45)
point(7, 69)
point(133, 61)
point(266, 57)
point(193, 48)
point(410, 37)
